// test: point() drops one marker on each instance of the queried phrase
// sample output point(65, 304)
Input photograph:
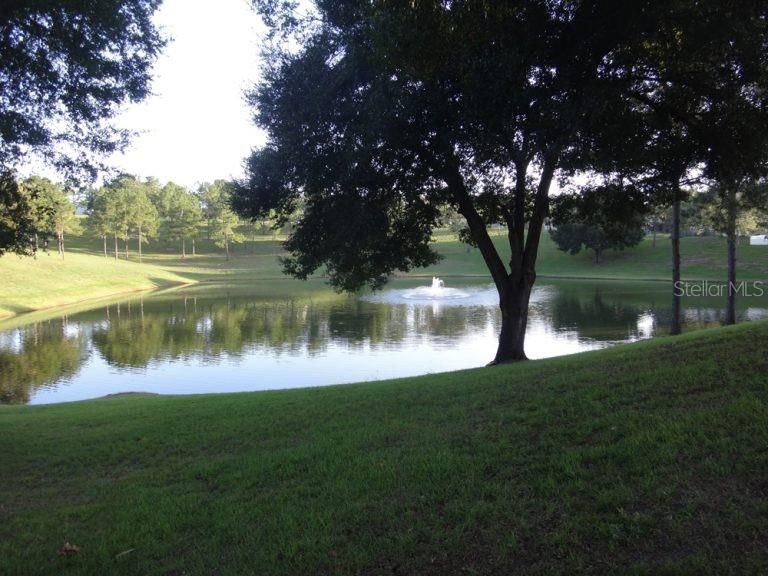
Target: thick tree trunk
point(514, 321)
point(194, 252)
point(676, 328)
point(61, 245)
point(515, 288)
point(730, 314)
point(105, 245)
point(139, 245)
point(183, 248)
point(226, 248)
point(116, 255)
point(126, 248)
point(518, 284)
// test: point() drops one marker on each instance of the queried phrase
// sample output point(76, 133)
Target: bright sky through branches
point(197, 127)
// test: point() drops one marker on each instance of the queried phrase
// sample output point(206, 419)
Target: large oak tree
point(380, 113)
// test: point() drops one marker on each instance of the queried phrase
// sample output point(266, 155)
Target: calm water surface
point(231, 339)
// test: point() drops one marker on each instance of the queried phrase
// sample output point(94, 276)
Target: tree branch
point(458, 189)
point(540, 208)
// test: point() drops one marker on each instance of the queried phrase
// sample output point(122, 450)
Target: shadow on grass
point(9, 310)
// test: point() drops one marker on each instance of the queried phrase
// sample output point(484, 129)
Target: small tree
point(16, 222)
point(598, 219)
point(38, 197)
point(111, 210)
point(103, 216)
point(223, 221)
point(97, 222)
point(143, 215)
point(52, 210)
point(180, 214)
point(64, 221)
point(130, 212)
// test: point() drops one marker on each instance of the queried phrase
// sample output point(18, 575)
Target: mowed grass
point(703, 258)
point(648, 458)
point(34, 284)
point(47, 281)
point(28, 284)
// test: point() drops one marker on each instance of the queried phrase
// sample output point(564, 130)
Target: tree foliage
point(224, 223)
point(180, 214)
point(52, 211)
point(17, 226)
point(599, 219)
point(751, 201)
point(65, 68)
point(123, 209)
point(103, 216)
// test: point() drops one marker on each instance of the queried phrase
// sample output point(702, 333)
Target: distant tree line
point(603, 218)
point(125, 213)
point(128, 209)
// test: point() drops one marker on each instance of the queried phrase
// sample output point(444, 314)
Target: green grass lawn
point(47, 281)
point(28, 284)
point(703, 258)
point(648, 458)
point(34, 284)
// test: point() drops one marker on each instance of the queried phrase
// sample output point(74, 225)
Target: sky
point(196, 126)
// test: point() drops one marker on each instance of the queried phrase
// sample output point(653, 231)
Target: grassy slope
point(29, 284)
point(647, 458)
point(33, 284)
point(702, 259)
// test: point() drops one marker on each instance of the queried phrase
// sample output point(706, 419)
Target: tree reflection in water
point(200, 328)
point(209, 329)
point(35, 356)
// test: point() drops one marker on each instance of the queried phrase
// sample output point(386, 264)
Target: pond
point(241, 338)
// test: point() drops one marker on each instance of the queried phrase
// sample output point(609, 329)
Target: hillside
point(646, 458)
point(47, 281)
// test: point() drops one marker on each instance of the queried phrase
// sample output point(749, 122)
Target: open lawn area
point(172, 403)
point(703, 258)
point(47, 281)
point(33, 284)
point(646, 458)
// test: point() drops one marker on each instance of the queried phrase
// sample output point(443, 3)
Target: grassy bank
point(47, 281)
point(34, 284)
point(28, 284)
point(702, 259)
point(647, 458)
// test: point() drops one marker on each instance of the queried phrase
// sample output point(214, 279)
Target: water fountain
point(437, 295)
point(435, 291)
